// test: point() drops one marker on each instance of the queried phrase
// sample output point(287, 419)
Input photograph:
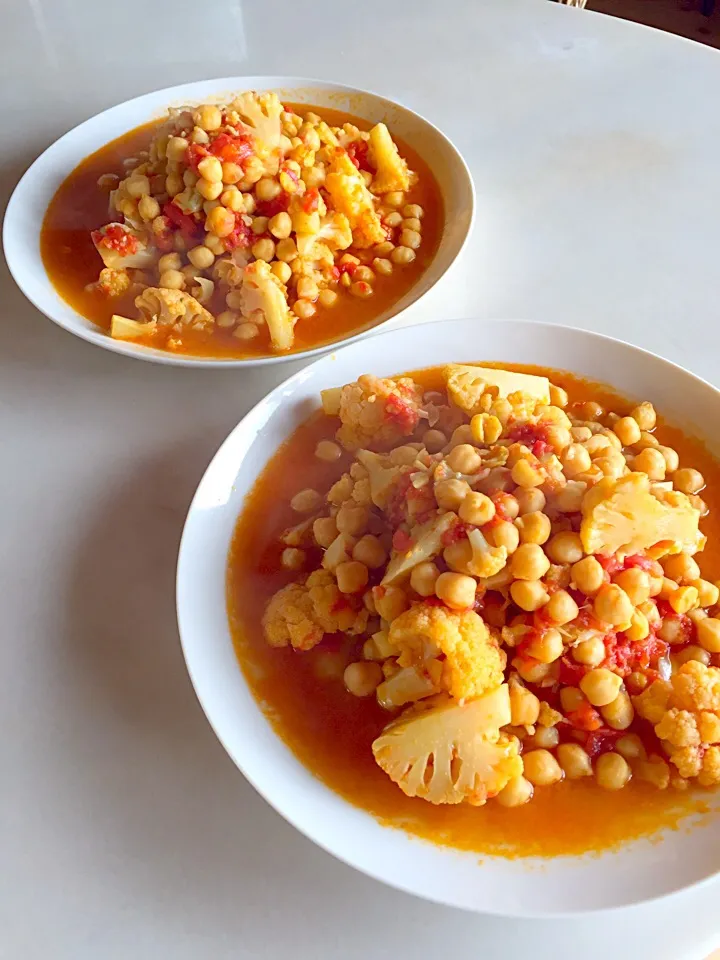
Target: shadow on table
point(161, 794)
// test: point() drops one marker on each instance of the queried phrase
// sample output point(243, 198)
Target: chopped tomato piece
point(194, 154)
point(458, 531)
point(269, 208)
point(232, 149)
point(502, 500)
point(188, 227)
point(401, 412)
point(311, 200)
point(402, 541)
point(571, 673)
point(358, 153)
point(533, 435)
point(585, 717)
point(241, 236)
point(602, 741)
point(114, 237)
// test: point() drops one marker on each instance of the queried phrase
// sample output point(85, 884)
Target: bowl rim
point(225, 85)
point(284, 808)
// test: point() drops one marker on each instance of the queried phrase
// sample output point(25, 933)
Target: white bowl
point(30, 200)
point(642, 870)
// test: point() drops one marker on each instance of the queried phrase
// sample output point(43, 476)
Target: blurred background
point(695, 19)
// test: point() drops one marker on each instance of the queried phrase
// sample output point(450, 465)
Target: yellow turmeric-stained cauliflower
point(473, 662)
point(377, 412)
point(685, 712)
point(391, 170)
point(628, 515)
point(351, 197)
point(447, 752)
point(262, 291)
point(113, 283)
point(466, 386)
point(169, 307)
point(302, 613)
point(261, 114)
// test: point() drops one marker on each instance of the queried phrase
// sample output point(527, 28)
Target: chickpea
point(506, 534)
point(325, 531)
point(612, 771)
point(574, 761)
point(328, 451)
point(434, 440)
point(687, 480)
point(683, 599)
point(590, 652)
point(529, 595)
point(451, 493)
point(671, 631)
point(651, 462)
point(541, 768)
point(524, 706)
point(476, 508)
point(530, 671)
point(458, 556)
point(529, 500)
point(639, 627)
point(210, 168)
point(619, 713)
point(267, 188)
point(544, 737)
point(395, 198)
point(456, 590)
point(646, 440)
point(362, 678)
point(383, 266)
point(264, 249)
point(370, 551)
point(529, 562)
point(351, 576)
point(413, 210)
point(423, 578)
point(515, 793)
point(600, 686)
point(627, 430)
point(681, 567)
point(571, 699)
point(410, 238)
point(220, 221)
point(699, 504)
point(207, 117)
point(565, 547)
point(392, 219)
point(645, 416)
point(547, 646)
point(361, 289)
point(352, 519)
point(306, 501)
point(209, 189)
point(561, 608)
point(281, 270)
point(524, 474)
point(672, 460)
point(231, 172)
point(214, 244)
point(364, 273)
point(169, 261)
point(464, 459)
point(631, 747)
point(692, 652)
point(569, 498)
point(280, 225)
point(172, 280)
point(708, 593)
point(533, 527)
point(175, 150)
point(293, 559)
point(402, 255)
point(148, 208)
point(304, 309)
point(201, 257)
point(636, 584)
point(227, 319)
point(461, 435)
point(327, 298)
point(390, 602)
point(708, 634)
point(575, 460)
point(612, 605)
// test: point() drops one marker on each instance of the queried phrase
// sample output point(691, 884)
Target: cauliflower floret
point(261, 113)
point(123, 328)
point(391, 170)
point(466, 386)
point(627, 515)
point(351, 197)
point(113, 283)
point(334, 232)
point(688, 760)
point(122, 247)
point(696, 687)
point(679, 728)
point(710, 772)
point(169, 307)
point(473, 661)
point(427, 543)
point(708, 725)
point(486, 560)
point(262, 290)
point(377, 412)
point(451, 752)
point(302, 613)
point(652, 703)
point(382, 476)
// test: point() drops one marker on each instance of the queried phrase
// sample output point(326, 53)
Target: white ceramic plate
point(642, 870)
point(27, 206)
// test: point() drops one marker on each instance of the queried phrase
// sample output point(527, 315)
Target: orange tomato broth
point(331, 731)
point(80, 206)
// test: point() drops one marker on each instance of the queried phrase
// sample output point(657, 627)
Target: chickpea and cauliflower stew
point(514, 580)
point(248, 227)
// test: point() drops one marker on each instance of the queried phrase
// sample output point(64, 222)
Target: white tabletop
point(125, 831)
